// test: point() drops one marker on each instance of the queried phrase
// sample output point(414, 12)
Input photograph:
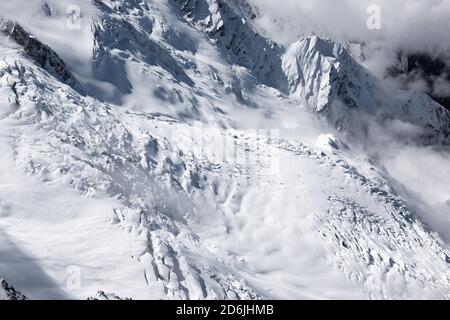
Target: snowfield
point(168, 150)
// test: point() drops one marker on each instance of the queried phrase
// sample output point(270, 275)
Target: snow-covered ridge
point(153, 179)
point(101, 295)
point(322, 74)
point(42, 54)
point(319, 73)
point(116, 39)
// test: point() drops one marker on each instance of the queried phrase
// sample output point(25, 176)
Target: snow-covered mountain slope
point(236, 37)
point(319, 73)
point(151, 185)
point(40, 53)
point(422, 65)
point(324, 75)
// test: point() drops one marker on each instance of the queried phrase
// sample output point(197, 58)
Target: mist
point(405, 24)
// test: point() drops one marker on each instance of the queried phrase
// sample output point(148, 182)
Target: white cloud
point(409, 24)
point(441, 86)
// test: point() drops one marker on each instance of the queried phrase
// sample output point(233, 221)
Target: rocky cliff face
point(230, 32)
point(42, 54)
point(331, 83)
point(7, 292)
point(319, 73)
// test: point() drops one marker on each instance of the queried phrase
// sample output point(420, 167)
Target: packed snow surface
point(167, 150)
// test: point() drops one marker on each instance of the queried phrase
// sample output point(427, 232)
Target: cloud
point(441, 86)
point(417, 24)
point(407, 26)
point(424, 172)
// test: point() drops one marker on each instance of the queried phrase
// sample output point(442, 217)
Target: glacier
point(170, 150)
